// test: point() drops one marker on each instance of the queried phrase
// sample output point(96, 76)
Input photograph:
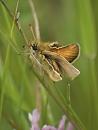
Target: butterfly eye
point(34, 47)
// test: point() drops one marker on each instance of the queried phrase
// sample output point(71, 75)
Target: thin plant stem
point(16, 10)
point(68, 94)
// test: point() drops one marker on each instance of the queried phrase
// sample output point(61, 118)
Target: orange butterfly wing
point(70, 52)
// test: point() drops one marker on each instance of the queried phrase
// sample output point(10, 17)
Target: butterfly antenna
point(37, 30)
point(32, 31)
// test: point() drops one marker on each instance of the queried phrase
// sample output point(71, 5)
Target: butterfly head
point(34, 46)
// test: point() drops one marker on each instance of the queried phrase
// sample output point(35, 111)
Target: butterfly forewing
point(70, 52)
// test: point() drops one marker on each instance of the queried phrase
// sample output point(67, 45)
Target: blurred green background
point(65, 21)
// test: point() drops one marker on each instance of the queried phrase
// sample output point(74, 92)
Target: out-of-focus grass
point(89, 50)
point(65, 21)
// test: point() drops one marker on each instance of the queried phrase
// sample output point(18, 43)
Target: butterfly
point(52, 57)
point(56, 59)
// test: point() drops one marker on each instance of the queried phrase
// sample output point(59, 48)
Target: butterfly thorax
point(40, 47)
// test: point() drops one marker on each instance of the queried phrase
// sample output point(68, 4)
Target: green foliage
point(63, 21)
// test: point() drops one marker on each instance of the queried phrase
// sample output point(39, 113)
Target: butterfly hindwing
point(69, 69)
